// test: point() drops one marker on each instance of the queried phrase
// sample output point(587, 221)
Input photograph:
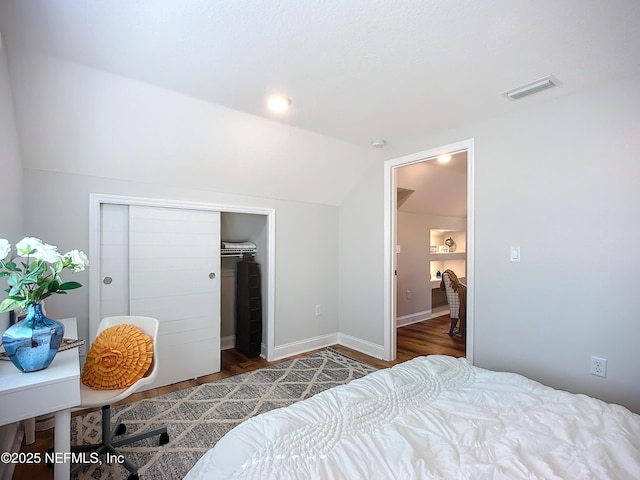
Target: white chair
point(104, 398)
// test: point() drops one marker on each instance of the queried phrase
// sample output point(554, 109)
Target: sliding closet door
point(174, 265)
point(114, 261)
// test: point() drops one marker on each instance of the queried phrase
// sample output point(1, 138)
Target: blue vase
point(34, 341)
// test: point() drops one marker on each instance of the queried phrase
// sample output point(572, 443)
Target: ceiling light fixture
point(278, 103)
point(532, 87)
point(444, 158)
point(378, 143)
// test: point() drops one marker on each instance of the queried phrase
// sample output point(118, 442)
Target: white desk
point(54, 389)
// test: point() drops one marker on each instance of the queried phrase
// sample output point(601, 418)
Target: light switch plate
point(514, 254)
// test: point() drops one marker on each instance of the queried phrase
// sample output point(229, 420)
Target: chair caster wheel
point(121, 429)
point(133, 476)
point(164, 438)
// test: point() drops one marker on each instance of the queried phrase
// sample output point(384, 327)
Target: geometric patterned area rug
point(197, 417)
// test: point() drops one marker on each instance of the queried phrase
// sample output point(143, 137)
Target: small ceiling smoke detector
point(279, 103)
point(379, 143)
point(532, 87)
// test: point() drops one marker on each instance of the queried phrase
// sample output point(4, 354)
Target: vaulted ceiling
point(434, 188)
point(355, 70)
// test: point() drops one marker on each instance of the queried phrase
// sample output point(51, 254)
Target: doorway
point(409, 299)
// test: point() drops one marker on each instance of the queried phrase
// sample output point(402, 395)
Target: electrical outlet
point(409, 294)
point(599, 366)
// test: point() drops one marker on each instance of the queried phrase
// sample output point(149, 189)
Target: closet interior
point(243, 288)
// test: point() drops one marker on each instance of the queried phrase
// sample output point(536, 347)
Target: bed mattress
point(435, 417)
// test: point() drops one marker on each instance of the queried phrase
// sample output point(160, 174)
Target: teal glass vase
point(33, 342)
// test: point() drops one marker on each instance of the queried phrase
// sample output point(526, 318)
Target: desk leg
point(62, 443)
point(30, 430)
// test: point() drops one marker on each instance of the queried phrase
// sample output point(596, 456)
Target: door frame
point(96, 200)
point(390, 236)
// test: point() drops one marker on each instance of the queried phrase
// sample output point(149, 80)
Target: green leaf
point(34, 276)
point(29, 279)
point(9, 304)
point(37, 267)
point(57, 267)
point(38, 292)
point(69, 286)
point(53, 286)
point(4, 274)
point(11, 266)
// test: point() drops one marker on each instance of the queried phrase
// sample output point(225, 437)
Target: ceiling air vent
point(532, 87)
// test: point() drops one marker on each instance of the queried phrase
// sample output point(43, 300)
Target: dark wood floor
point(424, 338)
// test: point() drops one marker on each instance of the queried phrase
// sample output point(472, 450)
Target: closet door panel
point(172, 310)
point(114, 263)
point(174, 253)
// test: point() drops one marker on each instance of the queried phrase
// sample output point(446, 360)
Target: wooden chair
point(457, 299)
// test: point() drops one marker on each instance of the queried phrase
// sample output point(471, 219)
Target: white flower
point(48, 253)
point(31, 281)
point(5, 248)
point(78, 260)
point(28, 246)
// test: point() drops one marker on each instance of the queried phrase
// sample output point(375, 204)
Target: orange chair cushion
point(119, 357)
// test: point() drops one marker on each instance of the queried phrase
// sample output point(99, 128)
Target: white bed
point(433, 417)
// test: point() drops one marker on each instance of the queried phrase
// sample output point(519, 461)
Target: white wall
point(560, 180)
point(80, 120)
point(57, 210)
point(413, 261)
point(361, 267)
point(11, 169)
point(84, 131)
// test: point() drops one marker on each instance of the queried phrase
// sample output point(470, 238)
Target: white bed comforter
point(433, 417)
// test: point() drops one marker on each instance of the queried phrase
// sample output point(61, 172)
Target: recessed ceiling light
point(279, 103)
point(444, 158)
point(378, 143)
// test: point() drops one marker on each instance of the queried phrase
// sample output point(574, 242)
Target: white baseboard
point(362, 346)
point(228, 342)
point(303, 346)
point(413, 318)
point(419, 317)
point(314, 343)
